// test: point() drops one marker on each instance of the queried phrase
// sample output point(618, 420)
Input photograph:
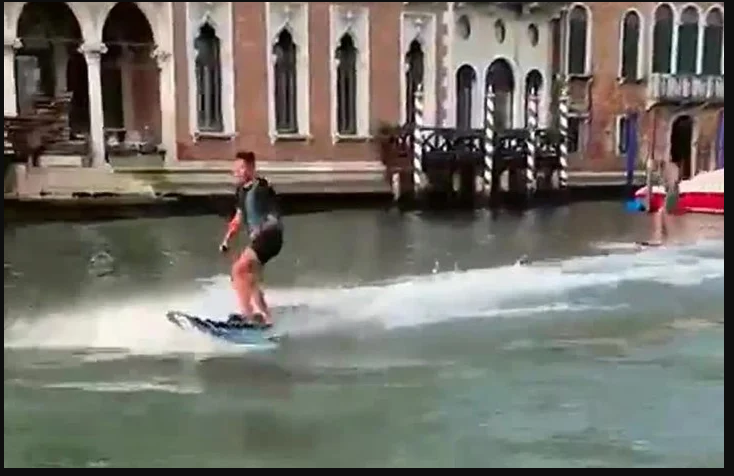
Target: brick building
point(663, 62)
point(302, 81)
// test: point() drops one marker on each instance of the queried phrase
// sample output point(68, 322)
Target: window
point(418, 49)
point(662, 40)
point(414, 77)
point(285, 73)
point(713, 40)
point(574, 134)
point(621, 135)
point(556, 45)
point(346, 86)
point(578, 20)
point(350, 71)
point(288, 75)
point(688, 41)
point(208, 80)
point(210, 70)
point(465, 79)
point(500, 76)
point(630, 45)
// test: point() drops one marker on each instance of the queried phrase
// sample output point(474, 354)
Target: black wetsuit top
point(258, 203)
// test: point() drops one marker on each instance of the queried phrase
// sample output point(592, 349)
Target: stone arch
point(147, 9)
point(51, 30)
point(466, 78)
point(129, 75)
point(13, 11)
point(135, 28)
point(501, 76)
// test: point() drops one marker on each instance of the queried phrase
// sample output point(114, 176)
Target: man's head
point(244, 167)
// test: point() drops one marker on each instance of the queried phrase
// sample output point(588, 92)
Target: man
point(256, 205)
point(661, 221)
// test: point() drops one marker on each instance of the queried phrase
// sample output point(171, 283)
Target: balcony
point(686, 88)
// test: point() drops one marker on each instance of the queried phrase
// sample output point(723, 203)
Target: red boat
point(703, 193)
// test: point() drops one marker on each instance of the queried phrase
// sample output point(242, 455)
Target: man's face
point(242, 172)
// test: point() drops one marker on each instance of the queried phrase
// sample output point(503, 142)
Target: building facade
point(315, 81)
point(660, 62)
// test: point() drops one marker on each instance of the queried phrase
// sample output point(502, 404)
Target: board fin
point(648, 243)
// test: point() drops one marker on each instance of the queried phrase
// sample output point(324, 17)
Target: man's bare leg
point(242, 284)
point(258, 302)
point(657, 229)
point(257, 298)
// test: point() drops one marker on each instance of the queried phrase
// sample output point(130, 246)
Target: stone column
point(61, 61)
point(93, 54)
point(168, 103)
point(11, 106)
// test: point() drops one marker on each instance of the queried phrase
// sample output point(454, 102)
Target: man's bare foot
point(262, 320)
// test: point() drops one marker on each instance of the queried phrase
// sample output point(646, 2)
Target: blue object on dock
point(635, 205)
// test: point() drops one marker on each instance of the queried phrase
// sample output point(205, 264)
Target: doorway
point(681, 144)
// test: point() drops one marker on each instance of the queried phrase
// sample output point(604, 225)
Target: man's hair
point(248, 157)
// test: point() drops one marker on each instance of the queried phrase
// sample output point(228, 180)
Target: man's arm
point(234, 225)
point(232, 228)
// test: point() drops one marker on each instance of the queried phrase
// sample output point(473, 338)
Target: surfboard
point(223, 330)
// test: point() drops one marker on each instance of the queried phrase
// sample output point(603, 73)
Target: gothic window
point(413, 78)
point(208, 80)
point(346, 86)
point(500, 76)
point(465, 79)
point(713, 40)
point(688, 41)
point(662, 42)
point(630, 45)
point(286, 105)
point(578, 24)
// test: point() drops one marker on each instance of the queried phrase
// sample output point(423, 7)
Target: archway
point(130, 78)
point(465, 79)
point(681, 142)
point(48, 63)
point(500, 76)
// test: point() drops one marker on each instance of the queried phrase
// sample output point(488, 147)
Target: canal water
point(413, 341)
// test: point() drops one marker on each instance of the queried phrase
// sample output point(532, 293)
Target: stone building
point(307, 81)
point(661, 62)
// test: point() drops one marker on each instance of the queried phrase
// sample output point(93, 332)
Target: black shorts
point(267, 244)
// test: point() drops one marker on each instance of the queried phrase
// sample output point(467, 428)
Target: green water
point(413, 341)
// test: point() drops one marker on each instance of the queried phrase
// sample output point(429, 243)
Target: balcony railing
point(686, 88)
